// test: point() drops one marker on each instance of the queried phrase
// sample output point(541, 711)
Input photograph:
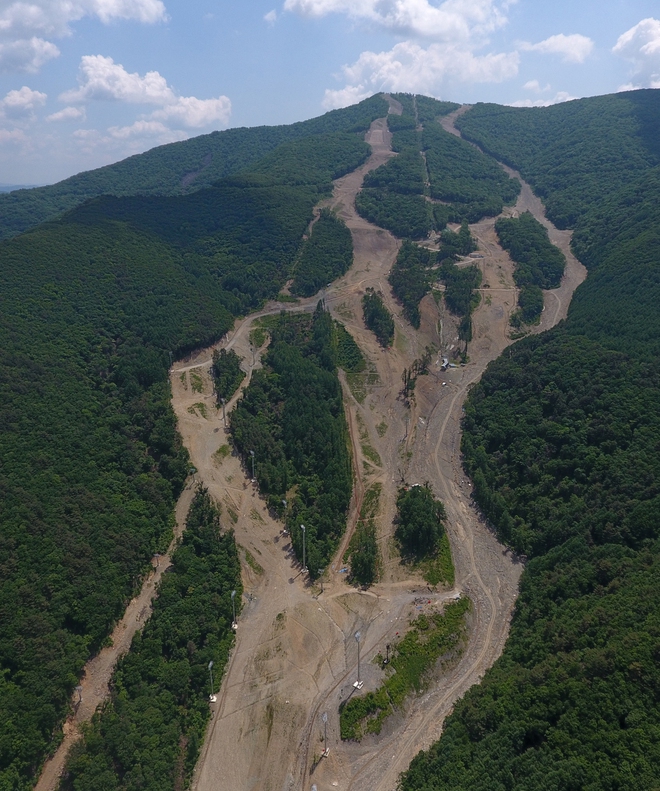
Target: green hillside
point(177, 168)
point(91, 308)
point(561, 439)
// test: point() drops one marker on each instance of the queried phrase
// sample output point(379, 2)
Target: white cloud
point(196, 113)
point(101, 79)
point(24, 18)
point(560, 97)
point(11, 136)
point(68, 114)
point(271, 17)
point(641, 45)
point(452, 20)
point(21, 104)
point(573, 49)
point(408, 67)
point(535, 85)
point(25, 25)
point(25, 54)
point(148, 129)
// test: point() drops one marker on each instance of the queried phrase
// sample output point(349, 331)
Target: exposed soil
point(295, 656)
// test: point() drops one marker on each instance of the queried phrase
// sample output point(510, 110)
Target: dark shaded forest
point(92, 310)
point(561, 439)
point(377, 317)
point(176, 168)
point(149, 733)
point(539, 263)
point(291, 416)
point(327, 255)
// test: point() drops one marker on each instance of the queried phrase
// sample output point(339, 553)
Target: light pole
point(212, 697)
point(358, 684)
point(321, 578)
point(386, 661)
point(224, 416)
point(234, 625)
point(324, 717)
point(304, 566)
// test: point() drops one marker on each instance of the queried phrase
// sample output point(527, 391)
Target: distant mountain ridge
point(176, 168)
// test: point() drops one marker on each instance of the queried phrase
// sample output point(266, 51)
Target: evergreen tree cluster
point(227, 373)
point(149, 733)
point(291, 415)
point(539, 263)
point(377, 317)
point(327, 255)
point(561, 439)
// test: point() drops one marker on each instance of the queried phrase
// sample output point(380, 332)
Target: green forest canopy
point(149, 733)
point(176, 168)
point(561, 440)
point(291, 416)
point(91, 307)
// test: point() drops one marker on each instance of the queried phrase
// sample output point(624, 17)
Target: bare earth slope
point(295, 656)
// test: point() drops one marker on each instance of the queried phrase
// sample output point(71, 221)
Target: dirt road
point(94, 685)
point(295, 655)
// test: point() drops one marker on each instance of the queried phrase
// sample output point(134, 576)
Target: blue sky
point(87, 82)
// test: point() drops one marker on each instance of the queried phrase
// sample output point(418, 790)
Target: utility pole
point(358, 684)
point(253, 476)
point(324, 717)
point(212, 697)
point(224, 416)
point(304, 532)
point(234, 625)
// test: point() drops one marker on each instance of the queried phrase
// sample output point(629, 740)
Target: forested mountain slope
point(177, 168)
point(561, 438)
point(91, 307)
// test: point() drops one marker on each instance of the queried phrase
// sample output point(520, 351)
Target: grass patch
point(358, 386)
point(232, 514)
point(221, 454)
point(381, 428)
point(199, 407)
point(287, 298)
point(412, 658)
point(252, 562)
point(439, 569)
point(255, 516)
point(184, 380)
point(367, 449)
point(196, 382)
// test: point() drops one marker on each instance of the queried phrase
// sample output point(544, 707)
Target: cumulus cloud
point(147, 129)
point(12, 136)
point(25, 54)
point(452, 20)
point(271, 17)
point(21, 104)
point(196, 113)
point(101, 79)
point(26, 25)
point(68, 114)
point(641, 46)
point(560, 97)
point(409, 67)
point(572, 49)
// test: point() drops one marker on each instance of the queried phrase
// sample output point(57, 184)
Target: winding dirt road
point(295, 656)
